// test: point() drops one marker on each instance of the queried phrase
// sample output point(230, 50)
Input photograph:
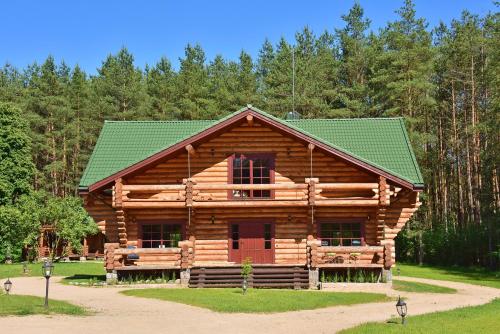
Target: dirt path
point(121, 314)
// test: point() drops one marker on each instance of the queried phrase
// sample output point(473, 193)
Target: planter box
point(357, 287)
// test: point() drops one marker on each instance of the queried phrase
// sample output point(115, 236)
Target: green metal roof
point(380, 142)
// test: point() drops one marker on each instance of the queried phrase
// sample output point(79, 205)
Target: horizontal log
point(347, 202)
point(253, 203)
point(274, 186)
point(153, 204)
point(346, 186)
point(126, 251)
point(152, 188)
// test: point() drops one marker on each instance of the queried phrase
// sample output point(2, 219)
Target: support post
point(313, 278)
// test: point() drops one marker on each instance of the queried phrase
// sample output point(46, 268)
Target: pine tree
point(192, 85)
point(161, 88)
point(120, 88)
point(354, 62)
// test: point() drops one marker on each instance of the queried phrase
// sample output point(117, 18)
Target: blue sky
point(85, 32)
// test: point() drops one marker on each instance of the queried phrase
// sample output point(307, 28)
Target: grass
point(477, 276)
point(27, 305)
point(257, 300)
point(482, 319)
point(81, 272)
point(420, 287)
point(66, 269)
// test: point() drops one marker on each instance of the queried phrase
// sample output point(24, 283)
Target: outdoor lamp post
point(7, 285)
point(402, 310)
point(47, 272)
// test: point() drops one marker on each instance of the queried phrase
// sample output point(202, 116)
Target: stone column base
point(111, 277)
point(185, 276)
point(313, 278)
point(387, 274)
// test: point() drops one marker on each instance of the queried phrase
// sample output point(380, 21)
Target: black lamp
point(402, 310)
point(7, 285)
point(47, 269)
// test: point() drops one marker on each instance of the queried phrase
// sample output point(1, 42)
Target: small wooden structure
point(202, 196)
point(92, 246)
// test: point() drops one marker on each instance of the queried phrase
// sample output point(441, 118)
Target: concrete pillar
point(313, 278)
point(387, 275)
point(185, 276)
point(111, 277)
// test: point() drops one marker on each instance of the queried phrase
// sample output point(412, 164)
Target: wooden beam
point(273, 186)
point(311, 147)
point(347, 186)
point(146, 188)
point(244, 204)
point(118, 193)
point(190, 149)
point(250, 120)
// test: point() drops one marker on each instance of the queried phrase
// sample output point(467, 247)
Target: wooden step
point(261, 277)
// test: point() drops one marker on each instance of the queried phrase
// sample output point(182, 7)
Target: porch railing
point(117, 258)
point(311, 192)
point(343, 257)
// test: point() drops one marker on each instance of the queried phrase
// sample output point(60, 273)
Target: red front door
point(254, 240)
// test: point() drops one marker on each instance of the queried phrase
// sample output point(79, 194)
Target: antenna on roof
point(293, 79)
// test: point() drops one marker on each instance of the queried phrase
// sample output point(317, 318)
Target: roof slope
point(123, 143)
point(381, 142)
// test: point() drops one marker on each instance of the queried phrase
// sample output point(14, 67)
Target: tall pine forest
point(443, 80)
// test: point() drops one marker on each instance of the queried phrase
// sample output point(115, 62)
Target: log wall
point(208, 227)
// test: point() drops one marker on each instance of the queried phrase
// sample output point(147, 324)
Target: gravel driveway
point(116, 313)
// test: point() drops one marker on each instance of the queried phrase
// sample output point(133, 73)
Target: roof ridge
point(345, 119)
point(163, 121)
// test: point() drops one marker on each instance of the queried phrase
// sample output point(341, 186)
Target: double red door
point(253, 240)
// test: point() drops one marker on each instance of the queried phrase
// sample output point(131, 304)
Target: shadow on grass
point(85, 278)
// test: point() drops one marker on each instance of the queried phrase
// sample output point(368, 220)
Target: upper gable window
point(252, 169)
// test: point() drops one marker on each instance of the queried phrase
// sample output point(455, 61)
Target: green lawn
point(456, 274)
point(26, 305)
point(482, 319)
point(420, 287)
point(72, 271)
point(257, 300)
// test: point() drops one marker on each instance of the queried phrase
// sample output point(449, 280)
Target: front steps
point(293, 277)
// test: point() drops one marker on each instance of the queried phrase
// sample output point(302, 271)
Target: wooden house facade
point(293, 196)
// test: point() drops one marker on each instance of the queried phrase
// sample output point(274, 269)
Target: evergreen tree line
point(443, 80)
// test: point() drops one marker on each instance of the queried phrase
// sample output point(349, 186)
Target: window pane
point(155, 244)
point(267, 244)
point(257, 172)
point(236, 244)
point(356, 242)
point(146, 244)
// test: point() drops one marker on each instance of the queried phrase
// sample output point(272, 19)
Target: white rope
point(189, 176)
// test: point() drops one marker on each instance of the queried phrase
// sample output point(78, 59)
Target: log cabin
point(293, 196)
